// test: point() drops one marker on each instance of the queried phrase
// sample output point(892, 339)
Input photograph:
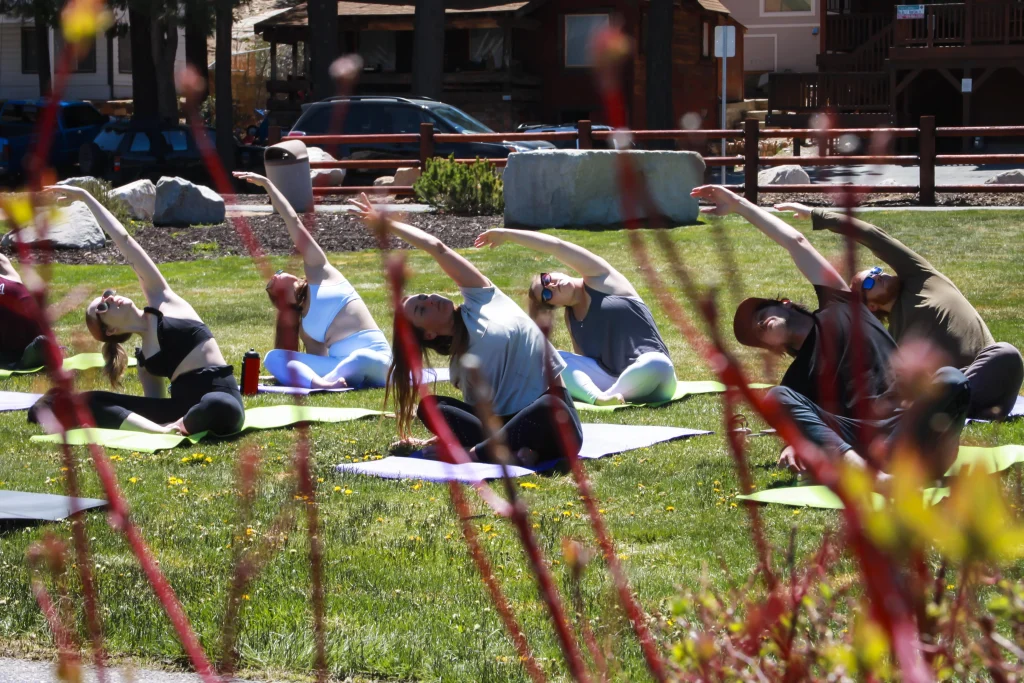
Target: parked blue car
point(77, 124)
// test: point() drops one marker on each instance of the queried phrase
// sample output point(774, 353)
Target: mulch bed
point(334, 232)
point(898, 200)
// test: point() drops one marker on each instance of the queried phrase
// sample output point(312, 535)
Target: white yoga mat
point(429, 375)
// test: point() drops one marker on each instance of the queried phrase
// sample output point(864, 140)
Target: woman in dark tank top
point(175, 344)
point(619, 356)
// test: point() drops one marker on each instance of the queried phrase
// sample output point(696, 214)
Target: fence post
point(274, 135)
point(926, 155)
point(751, 158)
point(426, 144)
point(583, 138)
point(796, 146)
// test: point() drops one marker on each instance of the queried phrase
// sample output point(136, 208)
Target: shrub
point(101, 190)
point(473, 189)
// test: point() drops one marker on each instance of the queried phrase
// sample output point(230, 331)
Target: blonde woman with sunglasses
point(176, 345)
point(619, 354)
point(344, 346)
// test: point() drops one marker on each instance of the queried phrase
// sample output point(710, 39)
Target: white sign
point(966, 84)
point(910, 11)
point(725, 41)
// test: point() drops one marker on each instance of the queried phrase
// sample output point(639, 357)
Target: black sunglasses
point(103, 306)
point(545, 282)
point(271, 281)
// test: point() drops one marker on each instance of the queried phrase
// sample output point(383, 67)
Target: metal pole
point(724, 52)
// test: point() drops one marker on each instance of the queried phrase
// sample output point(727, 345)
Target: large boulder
point(324, 177)
point(1014, 177)
point(78, 181)
point(783, 175)
point(406, 177)
point(70, 227)
point(140, 197)
point(179, 202)
point(553, 188)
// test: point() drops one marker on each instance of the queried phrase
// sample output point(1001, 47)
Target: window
point(705, 45)
point(377, 48)
point(579, 31)
point(20, 113)
point(460, 120)
point(81, 116)
point(177, 140)
point(140, 143)
point(404, 119)
point(124, 53)
point(109, 140)
point(29, 54)
point(791, 7)
point(85, 64)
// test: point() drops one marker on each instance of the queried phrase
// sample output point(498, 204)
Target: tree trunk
point(43, 58)
point(428, 49)
point(659, 66)
point(323, 45)
point(164, 47)
point(144, 86)
point(197, 30)
point(224, 110)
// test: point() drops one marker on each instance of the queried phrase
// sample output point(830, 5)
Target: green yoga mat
point(683, 389)
point(990, 460)
point(269, 417)
point(83, 361)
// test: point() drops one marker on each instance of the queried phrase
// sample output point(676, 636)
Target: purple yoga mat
point(1016, 411)
point(430, 375)
point(15, 400)
point(599, 440)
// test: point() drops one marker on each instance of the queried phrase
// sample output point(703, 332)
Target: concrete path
point(23, 671)
point(867, 174)
point(258, 209)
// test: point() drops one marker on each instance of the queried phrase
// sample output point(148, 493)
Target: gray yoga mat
point(45, 507)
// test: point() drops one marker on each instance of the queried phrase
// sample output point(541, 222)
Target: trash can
point(287, 166)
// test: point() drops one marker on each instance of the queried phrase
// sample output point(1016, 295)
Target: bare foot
point(322, 383)
point(612, 400)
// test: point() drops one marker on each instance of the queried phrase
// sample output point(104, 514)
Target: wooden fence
point(751, 160)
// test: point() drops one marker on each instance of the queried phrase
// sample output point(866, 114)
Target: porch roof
point(298, 15)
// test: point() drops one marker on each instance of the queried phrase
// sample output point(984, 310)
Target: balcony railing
point(839, 92)
point(957, 25)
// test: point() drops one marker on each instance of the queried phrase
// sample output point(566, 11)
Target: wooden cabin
point(512, 63)
point(882, 63)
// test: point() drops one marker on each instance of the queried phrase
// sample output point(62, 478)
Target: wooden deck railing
point(847, 32)
point(751, 160)
point(957, 24)
point(849, 92)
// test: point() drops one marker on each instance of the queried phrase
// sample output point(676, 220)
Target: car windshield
point(460, 120)
point(20, 113)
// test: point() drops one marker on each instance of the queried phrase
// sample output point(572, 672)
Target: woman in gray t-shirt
point(519, 372)
point(620, 355)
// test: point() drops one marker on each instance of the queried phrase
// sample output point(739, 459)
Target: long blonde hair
point(115, 358)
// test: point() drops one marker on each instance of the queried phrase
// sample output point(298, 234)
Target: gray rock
point(78, 181)
point(179, 202)
point(72, 227)
point(407, 176)
point(783, 175)
point(384, 181)
point(570, 187)
point(140, 197)
point(324, 177)
point(1014, 177)
point(888, 182)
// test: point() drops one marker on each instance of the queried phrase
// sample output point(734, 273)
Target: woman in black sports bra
point(176, 345)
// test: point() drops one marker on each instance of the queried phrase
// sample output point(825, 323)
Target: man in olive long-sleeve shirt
point(922, 303)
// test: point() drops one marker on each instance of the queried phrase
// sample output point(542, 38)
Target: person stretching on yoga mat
point(515, 360)
point(919, 302)
point(844, 383)
point(620, 355)
point(176, 345)
point(22, 342)
point(344, 346)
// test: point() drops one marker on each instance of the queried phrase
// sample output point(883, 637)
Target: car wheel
point(91, 159)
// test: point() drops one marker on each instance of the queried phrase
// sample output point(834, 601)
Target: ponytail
point(115, 359)
point(289, 318)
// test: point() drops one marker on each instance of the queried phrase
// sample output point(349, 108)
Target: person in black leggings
point(176, 345)
point(518, 371)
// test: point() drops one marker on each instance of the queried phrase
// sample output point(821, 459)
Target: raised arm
point(461, 271)
point(154, 286)
point(313, 257)
point(812, 264)
point(7, 269)
point(898, 256)
point(594, 269)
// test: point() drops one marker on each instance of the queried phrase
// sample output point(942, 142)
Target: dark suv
point(381, 115)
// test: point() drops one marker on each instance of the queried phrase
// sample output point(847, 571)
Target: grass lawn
point(403, 599)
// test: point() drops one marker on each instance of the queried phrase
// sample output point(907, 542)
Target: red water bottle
point(250, 372)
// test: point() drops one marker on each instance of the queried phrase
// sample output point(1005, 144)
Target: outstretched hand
point(725, 201)
point(253, 178)
point(799, 210)
point(491, 238)
point(365, 210)
point(64, 191)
